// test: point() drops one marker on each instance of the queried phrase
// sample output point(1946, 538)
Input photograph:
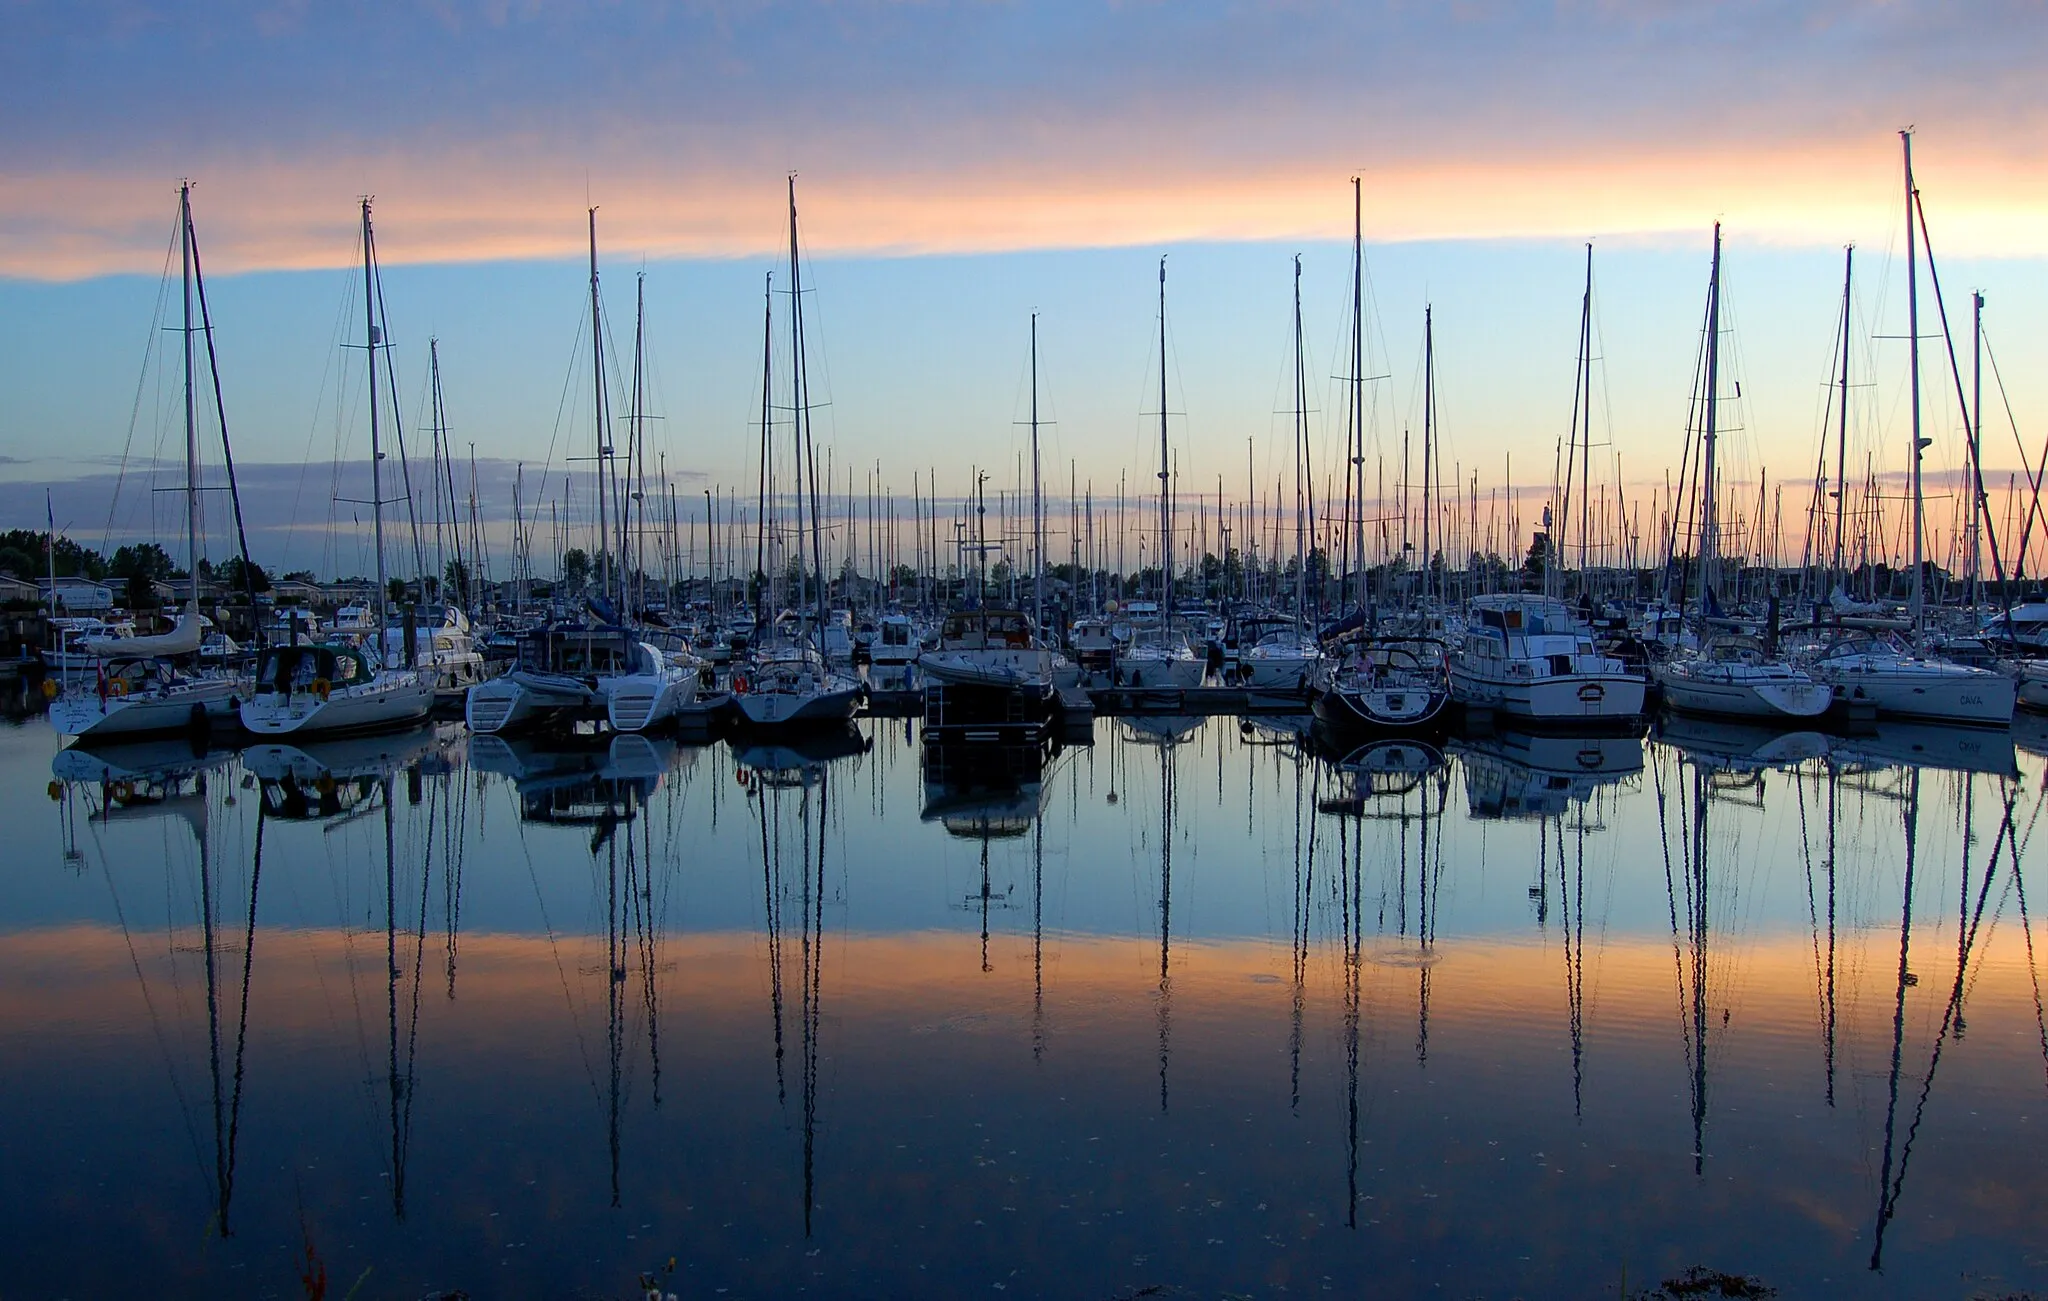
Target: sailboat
point(1381, 683)
point(790, 680)
point(571, 672)
point(1884, 671)
point(1159, 657)
point(1002, 650)
point(1286, 658)
point(338, 686)
point(145, 684)
point(1731, 675)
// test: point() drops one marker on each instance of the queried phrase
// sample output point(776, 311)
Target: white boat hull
point(783, 708)
point(84, 714)
point(1985, 699)
point(640, 702)
point(393, 700)
point(1738, 699)
point(1579, 698)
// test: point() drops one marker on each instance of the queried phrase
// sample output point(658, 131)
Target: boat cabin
point(288, 669)
point(985, 630)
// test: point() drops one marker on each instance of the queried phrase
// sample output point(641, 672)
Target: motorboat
point(995, 650)
point(442, 646)
point(1529, 657)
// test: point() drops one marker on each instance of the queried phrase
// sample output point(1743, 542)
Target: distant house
point(13, 591)
point(78, 595)
point(287, 592)
point(177, 591)
point(335, 595)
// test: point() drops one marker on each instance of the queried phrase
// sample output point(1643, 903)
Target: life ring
point(742, 776)
point(322, 687)
point(49, 688)
point(739, 684)
point(121, 792)
point(117, 687)
point(56, 789)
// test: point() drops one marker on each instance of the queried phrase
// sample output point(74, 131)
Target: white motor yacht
point(443, 647)
point(893, 654)
point(995, 649)
point(1529, 657)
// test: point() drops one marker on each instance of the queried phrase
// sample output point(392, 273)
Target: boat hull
point(790, 708)
point(1739, 699)
point(401, 702)
point(1981, 699)
point(202, 704)
point(1572, 699)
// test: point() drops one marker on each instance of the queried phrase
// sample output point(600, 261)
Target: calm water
point(1195, 1006)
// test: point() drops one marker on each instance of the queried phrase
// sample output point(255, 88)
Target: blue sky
point(963, 164)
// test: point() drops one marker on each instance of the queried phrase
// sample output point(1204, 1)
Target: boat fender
point(739, 684)
point(56, 789)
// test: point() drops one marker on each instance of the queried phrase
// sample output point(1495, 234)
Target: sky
point(960, 165)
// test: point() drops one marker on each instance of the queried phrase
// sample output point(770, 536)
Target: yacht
point(893, 654)
point(1385, 683)
point(1735, 677)
point(1528, 657)
point(1883, 672)
point(566, 674)
point(443, 647)
point(996, 649)
point(332, 686)
point(792, 684)
point(1283, 658)
point(111, 681)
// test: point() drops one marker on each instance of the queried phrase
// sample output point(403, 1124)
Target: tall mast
point(1913, 348)
point(372, 341)
point(1586, 414)
point(807, 452)
point(604, 569)
point(1300, 456)
point(191, 405)
point(1357, 439)
point(1842, 427)
point(1976, 416)
point(1428, 433)
point(1709, 524)
point(1037, 502)
point(1165, 483)
point(764, 558)
point(636, 456)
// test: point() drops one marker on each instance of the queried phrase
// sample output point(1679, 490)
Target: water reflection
point(1487, 1003)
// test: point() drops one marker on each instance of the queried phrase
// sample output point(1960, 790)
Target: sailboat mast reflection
point(768, 789)
point(1969, 922)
